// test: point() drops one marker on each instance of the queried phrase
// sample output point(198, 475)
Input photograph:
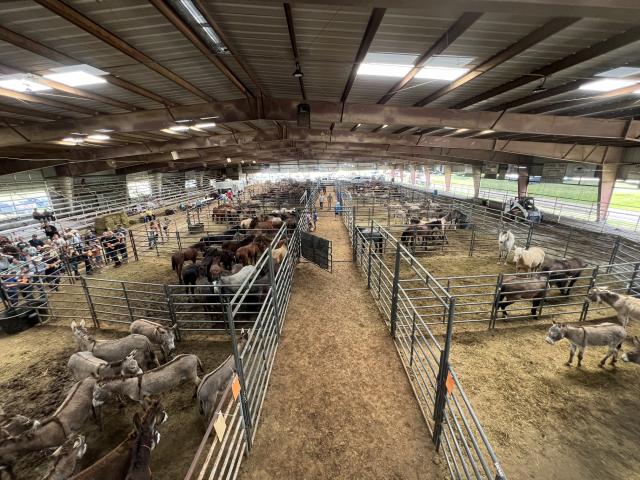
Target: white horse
point(506, 241)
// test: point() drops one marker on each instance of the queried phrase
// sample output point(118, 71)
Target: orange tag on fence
point(235, 387)
point(449, 383)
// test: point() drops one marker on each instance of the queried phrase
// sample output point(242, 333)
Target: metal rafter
point(618, 41)
point(461, 25)
point(369, 33)
point(221, 35)
point(242, 110)
point(294, 44)
point(165, 9)
point(70, 14)
point(39, 99)
point(29, 113)
point(538, 35)
point(8, 70)
point(25, 43)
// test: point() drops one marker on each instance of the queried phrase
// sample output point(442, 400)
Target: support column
point(523, 181)
point(413, 175)
point(156, 184)
point(66, 189)
point(402, 173)
point(447, 178)
point(393, 172)
point(199, 179)
point(477, 175)
point(608, 175)
point(427, 176)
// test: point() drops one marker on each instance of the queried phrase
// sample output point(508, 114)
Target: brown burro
point(182, 368)
point(132, 455)
point(54, 430)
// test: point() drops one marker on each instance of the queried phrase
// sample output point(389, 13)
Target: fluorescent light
point(205, 125)
point(183, 121)
point(619, 72)
point(441, 73)
point(104, 130)
point(72, 140)
point(486, 132)
point(178, 128)
point(98, 136)
point(253, 161)
point(208, 118)
point(22, 83)
point(607, 85)
point(384, 126)
point(380, 70)
point(228, 160)
point(241, 161)
point(75, 79)
point(77, 75)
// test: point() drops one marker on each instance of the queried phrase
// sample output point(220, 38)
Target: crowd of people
point(27, 267)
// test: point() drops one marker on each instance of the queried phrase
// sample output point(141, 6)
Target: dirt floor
point(339, 404)
point(544, 419)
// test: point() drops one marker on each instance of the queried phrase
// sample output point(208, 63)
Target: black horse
point(190, 275)
point(213, 239)
point(373, 236)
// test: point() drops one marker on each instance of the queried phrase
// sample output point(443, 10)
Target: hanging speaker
point(304, 115)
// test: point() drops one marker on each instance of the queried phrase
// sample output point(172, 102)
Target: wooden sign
point(220, 426)
point(235, 387)
point(449, 383)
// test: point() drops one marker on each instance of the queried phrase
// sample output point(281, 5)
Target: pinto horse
point(178, 259)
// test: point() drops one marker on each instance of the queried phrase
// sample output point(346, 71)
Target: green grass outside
point(623, 198)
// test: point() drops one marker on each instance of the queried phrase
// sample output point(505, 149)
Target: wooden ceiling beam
point(32, 46)
point(78, 19)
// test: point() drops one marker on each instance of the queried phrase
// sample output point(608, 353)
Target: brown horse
point(248, 255)
point(178, 259)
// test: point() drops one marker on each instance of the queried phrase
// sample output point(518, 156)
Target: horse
point(248, 255)
point(190, 275)
point(563, 273)
point(179, 257)
point(233, 245)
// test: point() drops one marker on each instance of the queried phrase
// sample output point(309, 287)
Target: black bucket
point(23, 317)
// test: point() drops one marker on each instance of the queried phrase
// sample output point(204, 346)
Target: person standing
point(315, 219)
point(338, 209)
point(329, 200)
point(109, 243)
point(49, 230)
point(321, 199)
point(230, 196)
point(151, 235)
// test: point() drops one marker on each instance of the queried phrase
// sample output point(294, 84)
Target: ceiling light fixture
point(72, 140)
point(384, 126)
point(540, 88)
point(253, 161)
point(183, 121)
point(441, 73)
point(298, 71)
point(208, 31)
point(228, 160)
point(99, 137)
point(22, 83)
point(607, 85)
point(178, 128)
point(77, 75)
point(486, 132)
point(104, 130)
point(209, 118)
point(205, 125)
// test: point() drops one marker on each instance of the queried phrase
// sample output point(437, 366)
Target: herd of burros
point(545, 273)
point(108, 372)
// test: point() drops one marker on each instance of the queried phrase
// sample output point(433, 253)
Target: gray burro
point(54, 430)
point(153, 382)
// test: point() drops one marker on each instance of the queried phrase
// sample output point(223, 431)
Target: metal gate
point(317, 250)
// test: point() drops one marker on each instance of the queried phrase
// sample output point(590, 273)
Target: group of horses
point(425, 232)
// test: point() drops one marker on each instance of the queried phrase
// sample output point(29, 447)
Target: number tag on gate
point(449, 383)
point(235, 387)
point(220, 426)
